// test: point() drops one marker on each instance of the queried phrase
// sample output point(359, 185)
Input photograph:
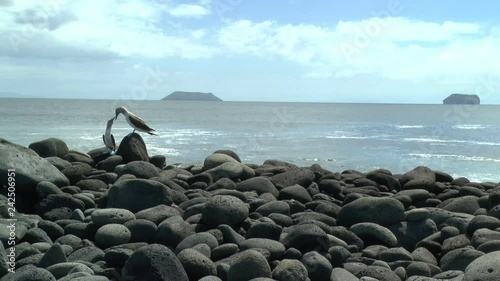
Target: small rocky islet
point(129, 216)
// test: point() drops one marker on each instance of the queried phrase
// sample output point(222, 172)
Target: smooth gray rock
point(290, 270)
point(60, 270)
point(340, 274)
point(29, 273)
point(249, 264)
point(306, 237)
point(275, 248)
point(274, 207)
point(111, 235)
point(259, 184)
point(140, 169)
point(382, 211)
point(196, 239)
point(172, 231)
point(141, 230)
point(54, 255)
point(374, 231)
point(459, 259)
point(157, 214)
point(30, 169)
point(318, 267)
point(111, 215)
point(196, 264)
point(223, 209)
point(138, 194)
point(484, 268)
point(154, 262)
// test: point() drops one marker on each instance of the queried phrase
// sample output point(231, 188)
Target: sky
point(385, 51)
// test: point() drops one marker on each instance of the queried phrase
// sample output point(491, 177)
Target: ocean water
point(463, 140)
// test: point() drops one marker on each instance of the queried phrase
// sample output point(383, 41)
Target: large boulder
point(51, 147)
point(133, 148)
point(30, 169)
point(138, 194)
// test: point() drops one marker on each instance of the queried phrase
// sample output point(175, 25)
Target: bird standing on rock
point(134, 121)
point(108, 138)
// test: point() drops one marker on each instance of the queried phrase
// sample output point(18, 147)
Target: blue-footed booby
point(108, 138)
point(134, 121)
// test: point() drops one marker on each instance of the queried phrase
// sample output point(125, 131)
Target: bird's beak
point(116, 116)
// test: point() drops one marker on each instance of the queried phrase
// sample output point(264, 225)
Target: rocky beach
point(91, 216)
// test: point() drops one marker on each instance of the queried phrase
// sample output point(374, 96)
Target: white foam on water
point(454, 157)
point(433, 140)
point(409, 126)
point(469, 127)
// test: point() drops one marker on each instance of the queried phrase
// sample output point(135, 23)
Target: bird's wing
point(113, 140)
point(138, 122)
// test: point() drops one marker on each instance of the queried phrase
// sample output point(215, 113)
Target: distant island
point(191, 96)
point(461, 99)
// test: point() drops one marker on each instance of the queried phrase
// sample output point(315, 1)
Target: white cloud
point(189, 10)
point(68, 29)
point(395, 48)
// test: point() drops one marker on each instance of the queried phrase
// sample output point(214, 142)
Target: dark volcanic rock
point(224, 209)
point(54, 201)
point(77, 156)
point(51, 147)
point(259, 184)
point(138, 194)
point(30, 169)
point(383, 211)
point(249, 265)
point(303, 177)
point(133, 148)
point(295, 192)
point(140, 169)
point(77, 172)
point(419, 178)
point(306, 237)
point(154, 262)
point(484, 268)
